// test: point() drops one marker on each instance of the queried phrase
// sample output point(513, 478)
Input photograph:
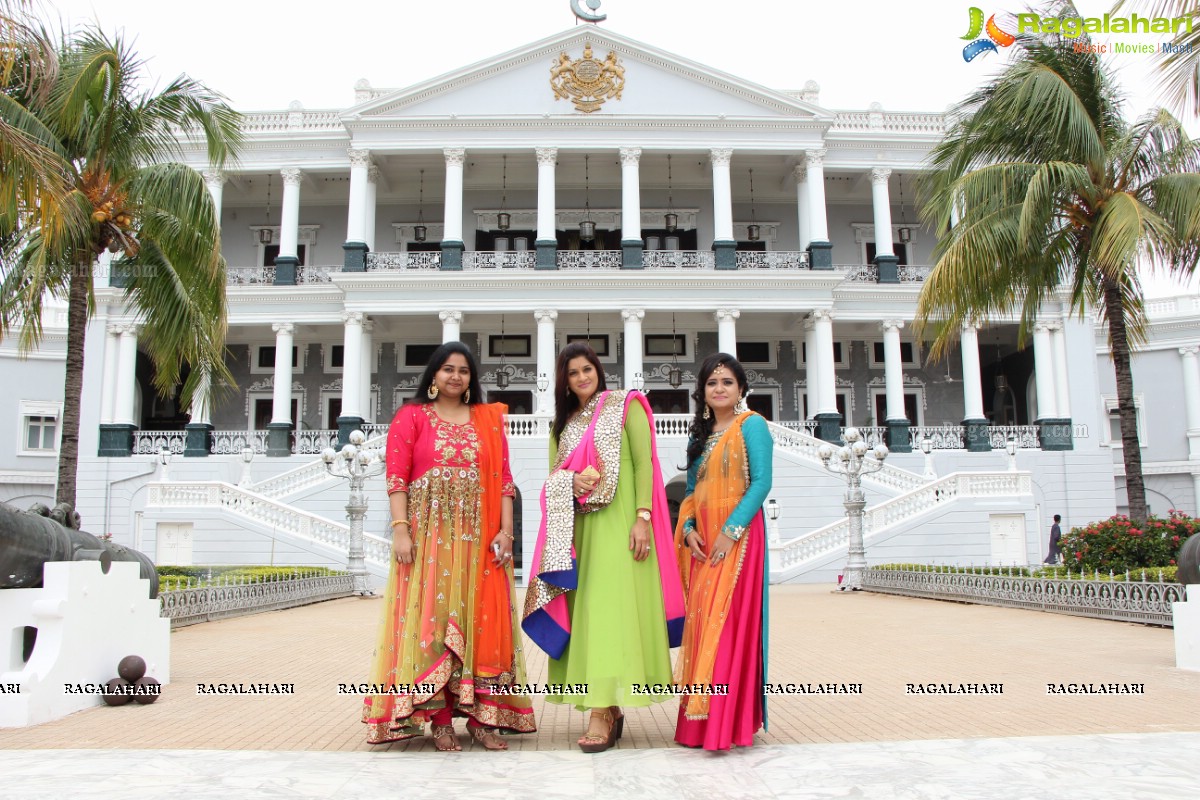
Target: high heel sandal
point(444, 738)
point(594, 743)
point(488, 737)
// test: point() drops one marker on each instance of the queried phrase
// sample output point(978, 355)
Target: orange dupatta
point(721, 483)
point(494, 612)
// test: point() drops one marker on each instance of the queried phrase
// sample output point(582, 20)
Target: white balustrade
point(779, 259)
point(316, 274)
point(400, 261)
point(861, 273)
point(149, 443)
point(1028, 437)
point(941, 437)
point(800, 443)
point(912, 273)
point(678, 259)
point(309, 475)
point(511, 259)
point(313, 442)
point(589, 259)
point(250, 276)
point(231, 443)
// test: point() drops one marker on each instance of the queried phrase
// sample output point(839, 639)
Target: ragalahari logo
point(995, 35)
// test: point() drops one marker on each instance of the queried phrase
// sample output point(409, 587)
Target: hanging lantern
point(906, 235)
point(587, 227)
point(504, 219)
point(753, 232)
point(420, 232)
point(670, 219)
point(264, 234)
point(675, 377)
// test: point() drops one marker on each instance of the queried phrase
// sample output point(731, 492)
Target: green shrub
point(1118, 545)
point(172, 577)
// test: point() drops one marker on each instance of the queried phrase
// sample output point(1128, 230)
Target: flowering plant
point(1118, 544)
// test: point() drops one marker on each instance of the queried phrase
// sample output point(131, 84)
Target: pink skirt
point(734, 718)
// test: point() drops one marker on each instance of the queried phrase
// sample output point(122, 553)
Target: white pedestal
point(1187, 630)
point(86, 623)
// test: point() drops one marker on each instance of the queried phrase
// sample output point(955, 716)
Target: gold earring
point(707, 413)
point(432, 391)
point(467, 396)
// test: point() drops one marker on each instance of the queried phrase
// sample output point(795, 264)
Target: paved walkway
point(880, 643)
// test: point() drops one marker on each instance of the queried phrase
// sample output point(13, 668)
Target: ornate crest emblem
point(587, 82)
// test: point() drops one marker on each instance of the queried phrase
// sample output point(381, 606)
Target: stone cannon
point(29, 539)
point(1188, 562)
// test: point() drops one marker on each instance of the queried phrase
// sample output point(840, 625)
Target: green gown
point(618, 626)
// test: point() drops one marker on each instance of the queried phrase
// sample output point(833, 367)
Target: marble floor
point(1128, 766)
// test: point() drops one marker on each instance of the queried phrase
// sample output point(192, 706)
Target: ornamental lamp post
point(773, 520)
point(164, 461)
point(357, 463)
point(1010, 447)
point(927, 450)
point(852, 463)
point(247, 457)
point(543, 383)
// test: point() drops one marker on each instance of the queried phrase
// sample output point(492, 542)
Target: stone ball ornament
point(145, 690)
point(117, 692)
point(132, 668)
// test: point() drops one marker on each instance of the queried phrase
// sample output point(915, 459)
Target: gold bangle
point(396, 522)
point(505, 533)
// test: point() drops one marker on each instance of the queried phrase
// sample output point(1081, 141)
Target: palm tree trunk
point(68, 451)
point(1135, 486)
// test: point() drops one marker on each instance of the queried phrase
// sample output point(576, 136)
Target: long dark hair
point(440, 357)
point(701, 428)
point(565, 401)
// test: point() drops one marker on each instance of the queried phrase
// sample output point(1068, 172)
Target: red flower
point(1172, 562)
point(1078, 555)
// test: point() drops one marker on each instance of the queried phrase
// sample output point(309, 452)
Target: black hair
point(701, 428)
point(565, 401)
point(440, 357)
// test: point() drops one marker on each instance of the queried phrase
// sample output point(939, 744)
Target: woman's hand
point(503, 553)
point(403, 548)
point(721, 548)
point(584, 484)
point(695, 543)
point(639, 539)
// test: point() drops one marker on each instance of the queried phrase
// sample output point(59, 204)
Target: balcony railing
point(150, 443)
point(678, 259)
point(941, 437)
point(243, 276)
point(316, 274)
point(781, 259)
point(512, 259)
point(431, 259)
point(861, 273)
point(227, 443)
point(589, 259)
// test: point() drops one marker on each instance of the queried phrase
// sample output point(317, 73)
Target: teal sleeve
point(759, 446)
point(637, 428)
point(689, 524)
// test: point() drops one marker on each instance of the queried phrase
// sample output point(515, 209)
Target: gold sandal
point(444, 738)
point(595, 743)
point(488, 737)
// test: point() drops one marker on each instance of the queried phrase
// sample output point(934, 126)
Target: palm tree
point(1051, 190)
point(85, 124)
point(1181, 67)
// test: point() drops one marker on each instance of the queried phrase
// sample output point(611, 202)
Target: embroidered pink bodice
point(419, 440)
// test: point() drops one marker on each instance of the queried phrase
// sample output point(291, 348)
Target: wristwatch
point(644, 514)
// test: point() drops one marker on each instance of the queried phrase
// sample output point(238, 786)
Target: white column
point(1191, 397)
point(818, 223)
point(633, 343)
point(804, 214)
point(214, 179)
point(452, 216)
point(883, 213)
point(352, 363)
point(289, 223)
point(126, 401)
point(972, 380)
point(722, 195)
point(368, 365)
point(545, 357)
point(356, 215)
point(201, 411)
point(547, 157)
point(893, 369)
point(108, 395)
point(451, 325)
point(1043, 366)
point(727, 330)
point(827, 397)
point(631, 194)
point(281, 406)
point(812, 373)
point(1062, 391)
point(372, 200)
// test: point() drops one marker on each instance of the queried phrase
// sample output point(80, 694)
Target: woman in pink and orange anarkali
point(447, 640)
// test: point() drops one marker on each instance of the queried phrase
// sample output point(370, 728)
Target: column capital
point(633, 313)
point(800, 173)
point(373, 173)
point(630, 156)
point(1054, 325)
point(122, 328)
point(283, 327)
point(353, 317)
point(971, 325)
point(291, 176)
point(880, 175)
point(359, 157)
point(891, 325)
point(815, 157)
point(721, 156)
point(113, 329)
point(368, 324)
point(545, 315)
point(214, 177)
point(1190, 350)
point(546, 156)
point(455, 156)
point(821, 315)
point(1043, 327)
point(722, 314)
point(451, 316)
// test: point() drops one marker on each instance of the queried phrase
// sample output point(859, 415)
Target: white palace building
point(592, 186)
